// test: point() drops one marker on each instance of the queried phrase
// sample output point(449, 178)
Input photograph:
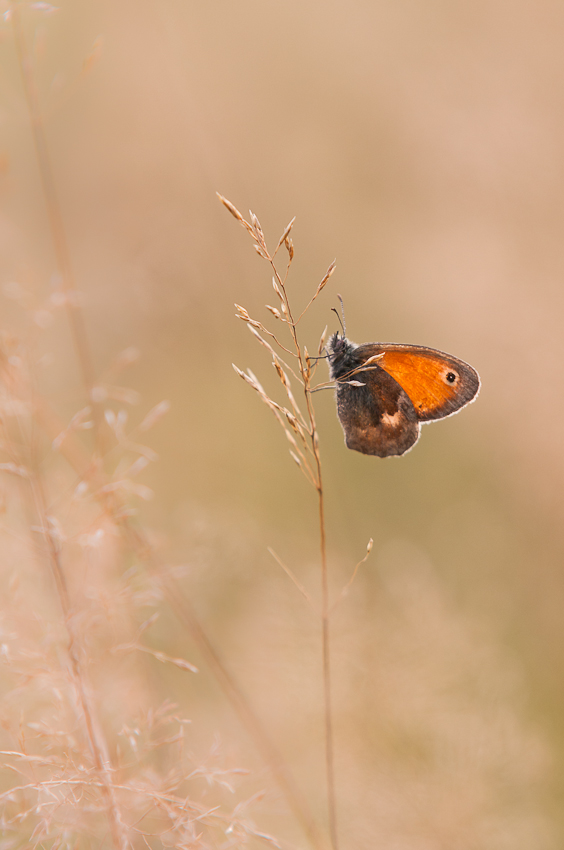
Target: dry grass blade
point(325, 279)
point(290, 575)
point(296, 426)
point(307, 363)
point(292, 442)
point(326, 385)
point(284, 236)
point(254, 384)
point(322, 339)
point(231, 207)
point(320, 288)
point(282, 415)
point(346, 588)
point(261, 252)
point(275, 312)
point(154, 415)
point(372, 360)
point(287, 386)
point(269, 348)
point(253, 323)
point(259, 236)
point(181, 663)
point(244, 316)
point(369, 365)
point(251, 379)
point(277, 289)
point(236, 214)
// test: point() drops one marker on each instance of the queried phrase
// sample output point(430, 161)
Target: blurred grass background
point(420, 145)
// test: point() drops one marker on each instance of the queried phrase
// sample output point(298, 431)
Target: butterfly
point(385, 391)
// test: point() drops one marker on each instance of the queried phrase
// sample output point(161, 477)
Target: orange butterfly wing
point(437, 384)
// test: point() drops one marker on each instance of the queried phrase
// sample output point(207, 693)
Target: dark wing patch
point(378, 418)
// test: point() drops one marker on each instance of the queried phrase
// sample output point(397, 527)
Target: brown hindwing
point(377, 418)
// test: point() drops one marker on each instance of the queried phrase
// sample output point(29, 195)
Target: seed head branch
point(305, 370)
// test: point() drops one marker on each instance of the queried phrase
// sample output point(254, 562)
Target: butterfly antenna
point(341, 321)
point(336, 312)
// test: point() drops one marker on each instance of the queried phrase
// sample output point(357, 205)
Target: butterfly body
point(385, 391)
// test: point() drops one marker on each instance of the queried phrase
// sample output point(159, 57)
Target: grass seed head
point(285, 235)
point(231, 207)
point(322, 339)
point(277, 289)
point(325, 280)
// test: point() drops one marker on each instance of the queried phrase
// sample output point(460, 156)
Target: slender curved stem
point(326, 653)
point(58, 235)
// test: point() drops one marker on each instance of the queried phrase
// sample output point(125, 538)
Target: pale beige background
point(421, 144)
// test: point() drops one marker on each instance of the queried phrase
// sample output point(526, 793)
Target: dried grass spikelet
point(284, 238)
point(302, 425)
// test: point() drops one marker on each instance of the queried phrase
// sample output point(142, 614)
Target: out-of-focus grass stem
point(95, 737)
point(58, 235)
point(138, 542)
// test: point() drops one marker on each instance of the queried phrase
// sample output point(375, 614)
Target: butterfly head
point(339, 347)
point(339, 351)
